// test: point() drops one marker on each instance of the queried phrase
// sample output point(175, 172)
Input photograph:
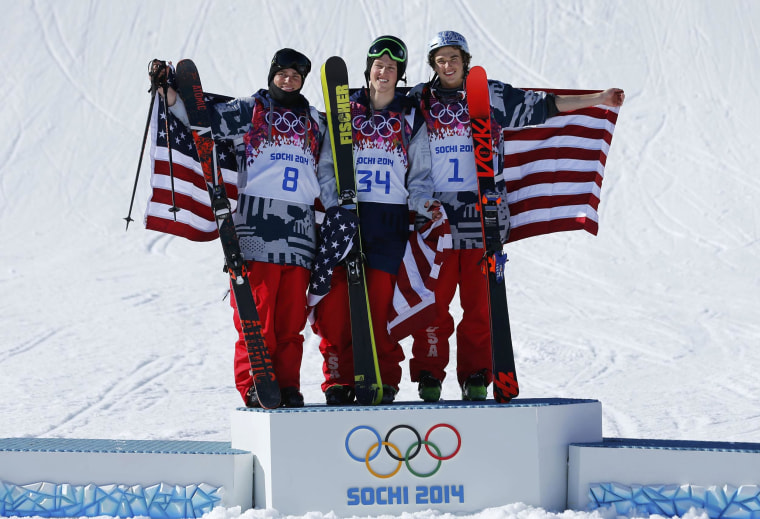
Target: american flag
point(195, 220)
point(337, 232)
point(554, 171)
point(414, 296)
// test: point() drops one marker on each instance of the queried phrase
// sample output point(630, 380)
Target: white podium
point(453, 457)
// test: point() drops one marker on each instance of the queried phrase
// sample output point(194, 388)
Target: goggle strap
point(389, 52)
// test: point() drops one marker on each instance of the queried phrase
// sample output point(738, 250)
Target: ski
point(505, 386)
point(369, 388)
point(190, 91)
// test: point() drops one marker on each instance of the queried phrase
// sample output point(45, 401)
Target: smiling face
point(449, 65)
point(288, 79)
point(383, 74)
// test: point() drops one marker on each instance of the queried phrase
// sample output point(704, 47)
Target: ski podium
point(357, 460)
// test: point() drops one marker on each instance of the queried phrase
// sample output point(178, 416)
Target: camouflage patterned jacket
point(277, 151)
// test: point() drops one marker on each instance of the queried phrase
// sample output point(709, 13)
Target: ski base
point(368, 385)
point(505, 386)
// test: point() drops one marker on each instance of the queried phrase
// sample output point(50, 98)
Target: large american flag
point(194, 220)
point(554, 175)
point(554, 171)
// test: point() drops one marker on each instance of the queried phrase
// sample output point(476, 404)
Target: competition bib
point(283, 172)
point(453, 164)
point(379, 157)
point(378, 178)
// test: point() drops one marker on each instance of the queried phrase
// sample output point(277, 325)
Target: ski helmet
point(448, 39)
point(393, 47)
point(289, 58)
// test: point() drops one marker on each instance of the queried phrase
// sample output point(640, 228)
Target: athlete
point(392, 162)
point(277, 137)
point(443, 104)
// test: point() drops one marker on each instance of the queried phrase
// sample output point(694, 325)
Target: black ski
point(191, 92)
point(505, 385)
point(369, 387)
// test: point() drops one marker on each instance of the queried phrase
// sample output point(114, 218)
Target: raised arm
point(609, 97)
point(159, 73)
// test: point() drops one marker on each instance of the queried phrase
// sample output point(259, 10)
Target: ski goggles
point(394, 49)
point(289, 58)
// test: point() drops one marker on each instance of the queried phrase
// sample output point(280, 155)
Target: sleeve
point(328, 187)
point(419, 182)
point(179, 111)
point(229, 120)
point(515, 108)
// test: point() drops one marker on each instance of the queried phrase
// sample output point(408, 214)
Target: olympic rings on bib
point(377, 124)
point(288, 122)
point(400, 455)
point(447, 114)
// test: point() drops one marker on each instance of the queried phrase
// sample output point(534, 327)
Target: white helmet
point(448, 39)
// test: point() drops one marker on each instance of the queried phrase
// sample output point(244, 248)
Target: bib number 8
point(290, 180)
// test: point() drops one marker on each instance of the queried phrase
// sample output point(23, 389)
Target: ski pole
point(174, 207)
point(142, 151)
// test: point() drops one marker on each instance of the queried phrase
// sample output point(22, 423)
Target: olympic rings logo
point(396, 453)
point(447, 114)
point(288, 122)
point(378, 123)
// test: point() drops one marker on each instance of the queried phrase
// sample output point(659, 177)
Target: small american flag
point(414, 294)
point(337, 232)
point(195, 220)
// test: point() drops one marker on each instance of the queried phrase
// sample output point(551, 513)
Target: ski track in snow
point(135, 382)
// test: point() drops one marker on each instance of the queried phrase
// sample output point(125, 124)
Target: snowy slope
point(115, 334)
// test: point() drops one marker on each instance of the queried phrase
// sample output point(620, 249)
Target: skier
point(443, 104)
point(392, 162)
point(277, 137)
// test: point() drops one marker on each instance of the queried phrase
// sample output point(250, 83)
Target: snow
point(126, 335)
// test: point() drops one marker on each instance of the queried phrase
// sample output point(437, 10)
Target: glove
point(161, 75)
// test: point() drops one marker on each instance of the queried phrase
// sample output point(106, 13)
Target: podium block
point(60, 477)
point(666, 477)
point(451, 456)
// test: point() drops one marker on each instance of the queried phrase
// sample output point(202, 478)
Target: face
point(383, 74)
point(288, 79)
point(449, 66)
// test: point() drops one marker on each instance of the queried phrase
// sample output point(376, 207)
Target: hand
point(434, 207)
point(613, 97)
point(161, 74)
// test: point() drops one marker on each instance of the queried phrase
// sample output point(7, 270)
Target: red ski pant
point(280, 295)
point(333, 325)
point(430, 349)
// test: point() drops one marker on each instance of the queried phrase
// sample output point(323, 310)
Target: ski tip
point(477, 85)
point(334, 59)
